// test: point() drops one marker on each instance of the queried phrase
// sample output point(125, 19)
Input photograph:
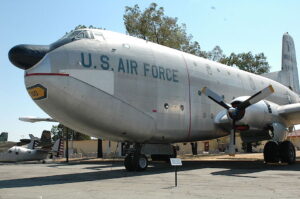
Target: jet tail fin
point(3, 137)
point(33, 144)
point(58, 147)
point(288, 75)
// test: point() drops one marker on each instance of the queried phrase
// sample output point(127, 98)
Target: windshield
point(77, 34)
point(72, 36)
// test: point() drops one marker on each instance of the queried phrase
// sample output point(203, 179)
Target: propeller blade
point(215, 97)
point(256, 97)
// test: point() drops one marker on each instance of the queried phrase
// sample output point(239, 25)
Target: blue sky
point(236, 26)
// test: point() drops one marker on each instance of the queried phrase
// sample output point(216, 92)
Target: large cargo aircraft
point(122, 88)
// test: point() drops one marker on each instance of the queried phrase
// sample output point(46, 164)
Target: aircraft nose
point(25, 56)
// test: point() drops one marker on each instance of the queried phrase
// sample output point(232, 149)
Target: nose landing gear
point(275, 152)
point(135, 161)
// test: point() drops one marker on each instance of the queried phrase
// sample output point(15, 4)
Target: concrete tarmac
point(240, 177)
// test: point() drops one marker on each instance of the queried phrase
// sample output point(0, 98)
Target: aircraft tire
point(128, 162)
point(287, 152)
point(271, 152)
point(136, 162)
point(141, 162)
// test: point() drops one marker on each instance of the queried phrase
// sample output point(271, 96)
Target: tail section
point(45, 140)
point(288, 75)
point(3, 137)
point(58, 147)
point(32, 137)
point(33, 144)
point(289, 63)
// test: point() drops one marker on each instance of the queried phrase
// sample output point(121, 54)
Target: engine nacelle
point(262, 121)
point(259, 115)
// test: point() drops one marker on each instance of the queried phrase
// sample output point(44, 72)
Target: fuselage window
point(9, 151)
point(252, 84)
point(166, 105)
point(17, 153)
point(182, 107)
point(208, 68)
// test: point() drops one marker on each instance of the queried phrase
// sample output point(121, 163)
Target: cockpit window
point(99, 36)
point(78, 34)
point(81, 35)
point(72, 36)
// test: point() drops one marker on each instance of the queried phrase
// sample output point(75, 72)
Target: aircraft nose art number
point(37, 92)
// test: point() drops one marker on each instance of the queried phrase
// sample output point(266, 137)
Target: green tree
point(57, 132)
point(60, 131)
point(152, 25)
point(216, 54)
point(247, 61)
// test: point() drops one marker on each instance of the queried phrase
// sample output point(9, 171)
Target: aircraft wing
point(6, 145)
point(36, 119)
point(290, 112)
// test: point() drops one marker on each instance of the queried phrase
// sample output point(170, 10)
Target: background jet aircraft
point(45, 141)
point(32, 151)
point(122, 88)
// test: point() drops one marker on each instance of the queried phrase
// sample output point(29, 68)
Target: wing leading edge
point(290, 112)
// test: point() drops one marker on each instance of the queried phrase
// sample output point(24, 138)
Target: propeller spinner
point(236, 111)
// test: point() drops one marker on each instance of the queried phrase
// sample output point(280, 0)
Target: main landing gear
point(283, 151)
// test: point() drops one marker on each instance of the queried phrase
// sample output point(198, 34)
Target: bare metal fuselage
point(127, 89)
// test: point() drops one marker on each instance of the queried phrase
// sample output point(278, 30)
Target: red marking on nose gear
point(154, 110)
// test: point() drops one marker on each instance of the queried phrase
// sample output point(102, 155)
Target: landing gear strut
point(284, 152)
point(134, 160)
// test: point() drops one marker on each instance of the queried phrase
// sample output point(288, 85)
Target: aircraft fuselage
point(127, 89)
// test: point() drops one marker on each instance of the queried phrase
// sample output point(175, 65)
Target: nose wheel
point(135, 161)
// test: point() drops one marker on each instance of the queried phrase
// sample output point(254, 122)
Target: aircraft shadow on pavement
point(232, 168)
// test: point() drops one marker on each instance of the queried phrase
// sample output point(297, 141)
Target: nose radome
point(25, 56)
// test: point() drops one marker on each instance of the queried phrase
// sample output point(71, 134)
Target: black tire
point(128, 163)
point(271, 152)
point(141, 162)
point(287, 152)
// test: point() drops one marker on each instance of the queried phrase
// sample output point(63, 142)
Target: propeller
point(236, 110)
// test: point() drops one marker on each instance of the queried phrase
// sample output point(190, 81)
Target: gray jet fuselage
point(127, 89)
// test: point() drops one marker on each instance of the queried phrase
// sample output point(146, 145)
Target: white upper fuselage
point(123, 88)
